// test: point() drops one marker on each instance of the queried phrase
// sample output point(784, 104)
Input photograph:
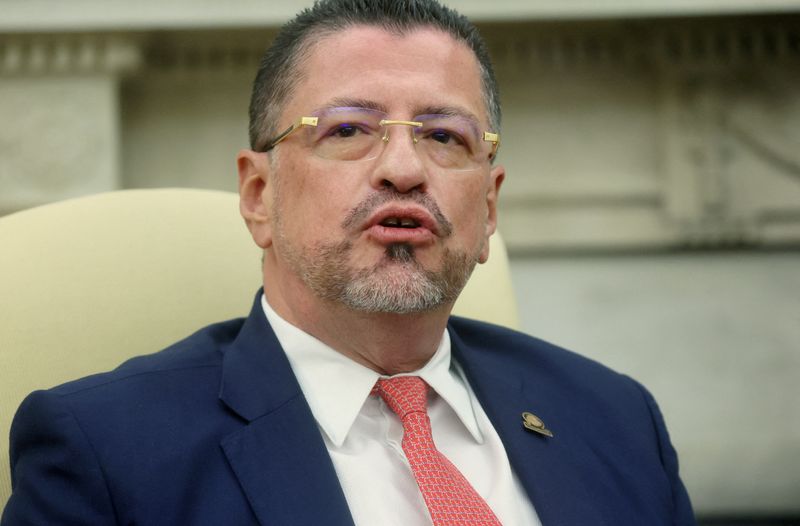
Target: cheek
point(313, 202)
point(469, 211)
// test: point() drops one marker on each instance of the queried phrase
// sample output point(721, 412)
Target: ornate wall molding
point(60, 132)
point(715, 43)
point(58, 139)
point(67, 54)
point(711, 161)
point(205, 53)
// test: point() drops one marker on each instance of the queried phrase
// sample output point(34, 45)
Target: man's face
point(396, 233)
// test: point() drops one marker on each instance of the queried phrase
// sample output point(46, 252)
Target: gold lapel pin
point(534, 423)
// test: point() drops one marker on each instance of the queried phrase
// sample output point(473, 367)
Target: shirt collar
point(336, 386)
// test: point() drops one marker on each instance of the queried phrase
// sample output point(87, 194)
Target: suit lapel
point(545, 466)
point(279, 457)
point(285, 470)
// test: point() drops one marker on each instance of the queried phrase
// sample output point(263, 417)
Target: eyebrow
point(349, 102)
point(451, 111)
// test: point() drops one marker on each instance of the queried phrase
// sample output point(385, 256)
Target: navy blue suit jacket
point(215, 430)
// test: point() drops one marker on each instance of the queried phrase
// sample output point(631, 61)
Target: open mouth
point(400, 222)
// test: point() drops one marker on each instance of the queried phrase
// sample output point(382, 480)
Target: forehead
point(406, 73)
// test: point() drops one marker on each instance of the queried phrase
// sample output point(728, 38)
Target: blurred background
point(651, 208)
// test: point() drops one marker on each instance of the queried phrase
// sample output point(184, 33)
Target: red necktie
point(450, 498)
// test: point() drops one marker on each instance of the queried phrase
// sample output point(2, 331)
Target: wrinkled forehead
point(405, 72)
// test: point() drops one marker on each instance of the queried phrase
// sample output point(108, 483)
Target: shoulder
point(161, 398)
point(512, 348)
point(145, 393)
point(579, 398)
point(480, 333)
point(200, 351)
point(566, 379)
point(114, 433)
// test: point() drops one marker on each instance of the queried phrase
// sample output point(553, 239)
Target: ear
point(496, 178)
point(254, 198)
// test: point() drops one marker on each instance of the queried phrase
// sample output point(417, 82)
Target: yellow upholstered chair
point(89, 282)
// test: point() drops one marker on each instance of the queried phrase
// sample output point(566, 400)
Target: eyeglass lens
point(354, 134)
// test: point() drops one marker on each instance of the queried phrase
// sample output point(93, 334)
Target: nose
point(399, 165)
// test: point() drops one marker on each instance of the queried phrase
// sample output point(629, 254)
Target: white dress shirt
point(363, 435)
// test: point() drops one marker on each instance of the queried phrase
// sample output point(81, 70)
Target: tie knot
point(403, 394)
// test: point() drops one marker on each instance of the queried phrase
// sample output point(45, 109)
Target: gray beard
point(397, 284)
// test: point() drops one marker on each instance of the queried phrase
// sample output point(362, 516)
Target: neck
point(384, 342)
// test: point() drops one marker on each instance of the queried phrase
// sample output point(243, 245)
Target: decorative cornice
point(712, 42)
point(215, 54)
point(67, 54)
point(729, 44)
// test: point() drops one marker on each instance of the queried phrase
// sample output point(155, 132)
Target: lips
point(402, 224)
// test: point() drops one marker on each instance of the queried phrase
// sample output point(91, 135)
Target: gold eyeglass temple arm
point(302, 121)
point(494, 139)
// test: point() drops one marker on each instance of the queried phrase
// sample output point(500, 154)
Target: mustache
point(359, 213)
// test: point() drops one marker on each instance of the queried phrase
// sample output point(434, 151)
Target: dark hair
point(278, 69)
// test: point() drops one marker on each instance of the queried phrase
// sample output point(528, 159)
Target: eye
point(444, 136)
point(441, 136)
point(344, 130)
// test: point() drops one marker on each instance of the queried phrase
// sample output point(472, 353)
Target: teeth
point(395, 222)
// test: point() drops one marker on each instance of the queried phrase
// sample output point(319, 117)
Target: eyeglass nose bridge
point(385, 123)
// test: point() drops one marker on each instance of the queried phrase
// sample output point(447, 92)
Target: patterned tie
point(450, 498)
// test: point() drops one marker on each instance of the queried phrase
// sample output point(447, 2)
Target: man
point(372, 188)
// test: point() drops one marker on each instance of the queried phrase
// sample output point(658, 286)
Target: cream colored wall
point(632, 138)
point(184, 130)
